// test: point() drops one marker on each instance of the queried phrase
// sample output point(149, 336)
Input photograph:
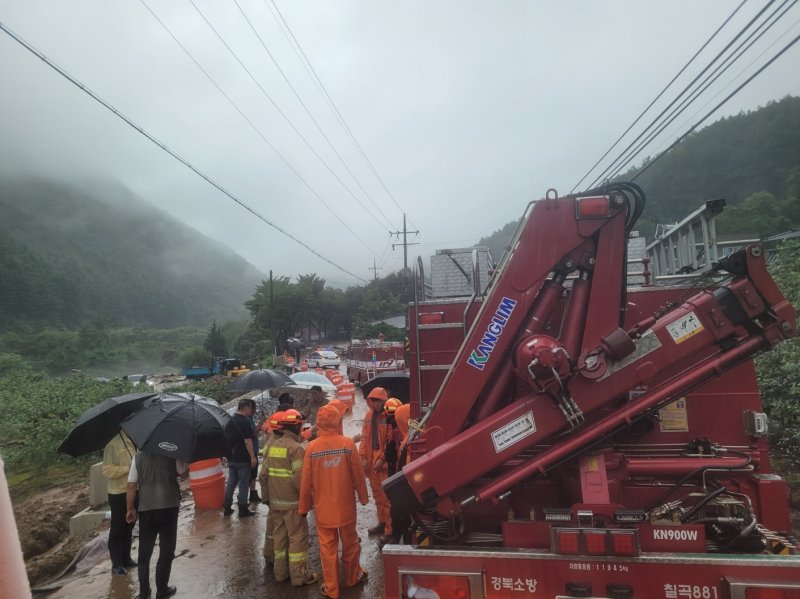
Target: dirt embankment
point(43, 525)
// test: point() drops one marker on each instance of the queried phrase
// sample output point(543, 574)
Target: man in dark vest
point(156, 478)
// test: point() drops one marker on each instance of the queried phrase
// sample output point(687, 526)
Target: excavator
point(576, 436)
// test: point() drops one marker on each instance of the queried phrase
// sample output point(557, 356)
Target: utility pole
point(405, 245)
point(375, 268)
point(271, 331)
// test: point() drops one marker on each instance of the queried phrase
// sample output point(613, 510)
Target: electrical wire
point(727, 86)
point(252, 125)
point(718, 106)
point(663, 91)
point(30, 48)
point(712, 77)
point(332, 104)
point(288, 121)
point(657, 119)
point(316, 124)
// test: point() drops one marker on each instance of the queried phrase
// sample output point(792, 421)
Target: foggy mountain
point(732, 159)
point(76, 253)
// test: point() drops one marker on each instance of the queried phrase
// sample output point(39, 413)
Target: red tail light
point(595, 542)
point(593, 207)
point(568, 541)
point(623, 543)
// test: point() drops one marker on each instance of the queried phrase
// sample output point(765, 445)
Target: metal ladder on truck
point(425, 326)
point(691, 247)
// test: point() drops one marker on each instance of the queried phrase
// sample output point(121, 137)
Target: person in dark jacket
point(243, 459)
point(156, 478)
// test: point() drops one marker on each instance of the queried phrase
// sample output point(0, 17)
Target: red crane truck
point(578, 437)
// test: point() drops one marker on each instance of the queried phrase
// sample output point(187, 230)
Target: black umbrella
point(183, 426)
point(395, 383)
point(262, 379)
point(98, 425)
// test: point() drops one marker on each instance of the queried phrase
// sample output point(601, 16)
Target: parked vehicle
point(323, 359)
point(577, 438)
point(228, 367)
point(367, 358)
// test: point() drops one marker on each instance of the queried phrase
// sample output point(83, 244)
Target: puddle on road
point(223, 557)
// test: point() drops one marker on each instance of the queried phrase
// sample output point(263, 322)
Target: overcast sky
point(467, 110)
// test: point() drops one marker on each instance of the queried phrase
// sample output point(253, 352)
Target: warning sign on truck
point(685, 327)
point(513, 432)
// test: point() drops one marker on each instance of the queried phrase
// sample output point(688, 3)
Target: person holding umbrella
point(156, 478)
point(170, 430)
point(117, 457)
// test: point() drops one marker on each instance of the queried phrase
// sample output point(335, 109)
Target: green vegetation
point(779, 370)
point(751, 159)
point(309, 305)
point(36, 413)
point(71, 256)
point(96, 349)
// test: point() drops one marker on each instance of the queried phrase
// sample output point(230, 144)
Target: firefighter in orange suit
point(374, 433)
point(332, 478)
point(401, 524)
point(282, 472)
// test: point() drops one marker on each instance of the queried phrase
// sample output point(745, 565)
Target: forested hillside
point(95, 252)
point(734, 158)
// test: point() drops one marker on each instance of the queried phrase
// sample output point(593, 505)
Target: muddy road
point(223, 557)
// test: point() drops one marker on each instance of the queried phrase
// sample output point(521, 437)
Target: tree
point(215, 341)
point(759, 214)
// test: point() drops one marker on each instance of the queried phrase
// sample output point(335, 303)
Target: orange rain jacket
point(365, 449)
point(401, 417)
point(332, 474)
point(341, 407)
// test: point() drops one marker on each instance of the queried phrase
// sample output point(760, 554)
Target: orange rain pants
point(329, 555)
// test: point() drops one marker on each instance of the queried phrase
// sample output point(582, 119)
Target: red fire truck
point(366, 358)
point(579, 437)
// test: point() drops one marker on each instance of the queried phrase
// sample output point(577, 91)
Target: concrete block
point(85, 520)
point(98, 486)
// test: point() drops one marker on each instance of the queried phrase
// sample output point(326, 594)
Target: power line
point(333, 106)
point(733, 80)
point(164, 147)
point(718, 106)
point(663, 91)
point(710, 79)
point(316, 124)
point(683, 92)
point(249, 122)
point(285, 117)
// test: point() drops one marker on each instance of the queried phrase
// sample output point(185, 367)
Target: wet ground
point(222, 557)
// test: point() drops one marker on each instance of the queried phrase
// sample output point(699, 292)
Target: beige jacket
point(117, 457)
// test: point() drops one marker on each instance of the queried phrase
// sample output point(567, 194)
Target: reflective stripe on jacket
point(282, 471)
point(332, 474)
